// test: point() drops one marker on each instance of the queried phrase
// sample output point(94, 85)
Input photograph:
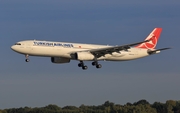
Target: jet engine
point(84, 56)
point(59, 60)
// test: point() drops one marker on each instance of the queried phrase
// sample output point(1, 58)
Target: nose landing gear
point(27, 58)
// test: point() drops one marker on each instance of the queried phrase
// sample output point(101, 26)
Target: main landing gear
point(84, 67)
point(95, 63)
point(81, 64)
point(27, 58)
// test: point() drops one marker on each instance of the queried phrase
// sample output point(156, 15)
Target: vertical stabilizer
point(153, 37)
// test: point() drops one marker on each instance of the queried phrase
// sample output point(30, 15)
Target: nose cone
point(13, 48)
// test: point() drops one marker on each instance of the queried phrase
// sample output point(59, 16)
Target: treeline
point(141, 106)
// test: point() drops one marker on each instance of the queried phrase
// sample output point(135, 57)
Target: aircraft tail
point(153, 37)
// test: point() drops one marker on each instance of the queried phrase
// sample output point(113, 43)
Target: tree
point(53, 107)
point(170, 104)
point(107, 104)
point(143, 102)
point(160, 107)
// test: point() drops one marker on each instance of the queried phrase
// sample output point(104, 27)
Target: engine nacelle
point(84, 56)
point(59, 60)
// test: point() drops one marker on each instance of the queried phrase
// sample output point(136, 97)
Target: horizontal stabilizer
point(157, 50)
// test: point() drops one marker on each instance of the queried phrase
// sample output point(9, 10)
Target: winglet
point(153, 39)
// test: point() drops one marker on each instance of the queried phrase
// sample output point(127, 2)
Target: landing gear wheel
point(27, 60)
point(84, 67)
point(80, 64)
point(98, 66)
point(94, 63)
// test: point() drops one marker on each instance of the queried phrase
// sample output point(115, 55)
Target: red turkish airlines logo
point(152, 43)
point(153, 39)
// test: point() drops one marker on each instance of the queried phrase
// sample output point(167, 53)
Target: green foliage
point(3, 111)
point(52, 107)
point(143, 102)
point(160, 107)
point(141, 106)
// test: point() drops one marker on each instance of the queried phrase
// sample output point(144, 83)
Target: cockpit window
point(17, 43)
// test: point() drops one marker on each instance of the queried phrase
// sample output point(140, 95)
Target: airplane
point(64, 52)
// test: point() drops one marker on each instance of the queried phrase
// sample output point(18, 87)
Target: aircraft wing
point(109, 50)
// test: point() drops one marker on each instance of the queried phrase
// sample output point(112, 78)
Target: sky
point(40, 82)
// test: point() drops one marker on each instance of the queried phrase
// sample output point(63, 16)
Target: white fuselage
point(65, 50)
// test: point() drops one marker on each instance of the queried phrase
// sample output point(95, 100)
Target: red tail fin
point(153, 37)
